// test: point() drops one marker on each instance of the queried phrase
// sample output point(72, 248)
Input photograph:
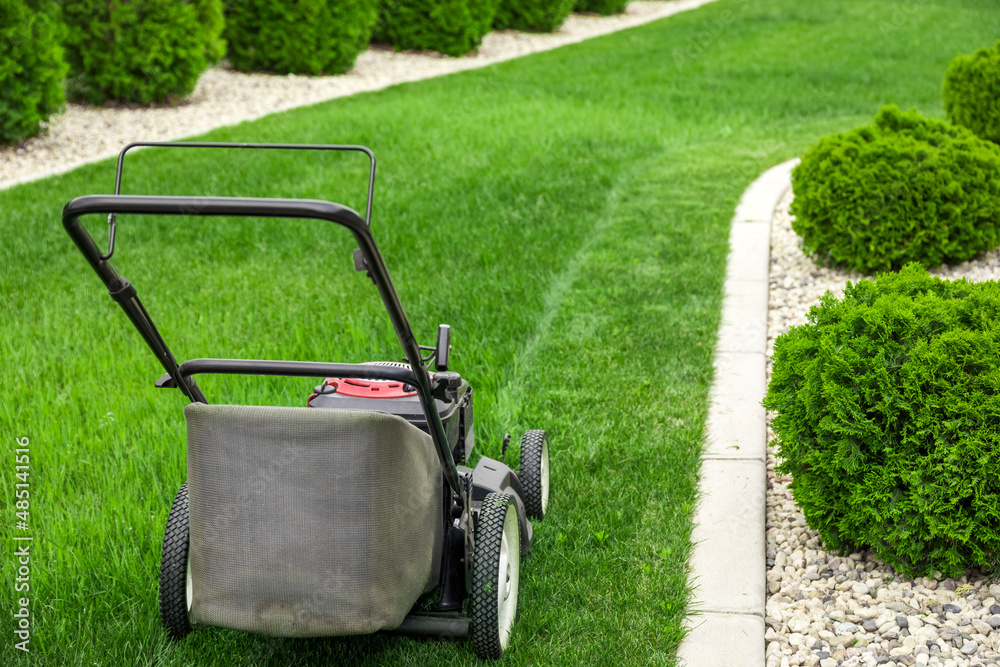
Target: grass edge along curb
point(726, 626)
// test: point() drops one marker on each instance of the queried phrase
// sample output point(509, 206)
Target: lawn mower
point(356, 514)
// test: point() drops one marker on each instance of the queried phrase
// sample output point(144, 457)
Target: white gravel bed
point(224, 97)
point(827, 610)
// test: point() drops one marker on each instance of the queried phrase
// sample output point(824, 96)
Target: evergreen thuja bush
point(213, 24)
point(140, 51)
point(32, 67)
point(971, 92)
point(602, 7)
point(887, 418)
point(451, 27)
point(904, 189)
point(532, 15)
point(304, 37)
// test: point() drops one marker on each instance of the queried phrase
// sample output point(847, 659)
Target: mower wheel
point(534, 473)
point(496, 570)
point(175, 570)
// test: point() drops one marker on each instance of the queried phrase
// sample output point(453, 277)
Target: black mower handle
point(305, 369)
point(208, 206)
point(256, 207)
point(122, 291)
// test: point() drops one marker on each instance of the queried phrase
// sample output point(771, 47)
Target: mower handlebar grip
point(297, 369)
point(257, 207)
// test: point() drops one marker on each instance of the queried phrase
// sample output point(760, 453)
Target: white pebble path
point(856, 611)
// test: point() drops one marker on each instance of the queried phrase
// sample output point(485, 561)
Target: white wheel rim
point(544, 471)
point(508, 575)
point(188, 584)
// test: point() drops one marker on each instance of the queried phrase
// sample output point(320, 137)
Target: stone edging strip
point(728, 561)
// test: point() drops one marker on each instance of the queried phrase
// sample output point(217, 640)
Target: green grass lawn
point(567, 213)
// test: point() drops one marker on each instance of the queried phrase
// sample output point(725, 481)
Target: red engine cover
point(356, 388)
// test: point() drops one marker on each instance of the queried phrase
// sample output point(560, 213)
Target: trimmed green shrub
point(904, 189)
point(451, 27)
point(888, 420)
point(141, 51)
point(602, 7)
point(304, 37)
point(32, 67)
point(972, 92)
point(213, 24)
point(532, 15)
point(484, 13)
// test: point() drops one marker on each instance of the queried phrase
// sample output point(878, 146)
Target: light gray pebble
point(969, 648)
point(846, 629)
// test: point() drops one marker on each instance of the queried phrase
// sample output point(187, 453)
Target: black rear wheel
point(534, 473)
point(496, 571)
point(175, 581)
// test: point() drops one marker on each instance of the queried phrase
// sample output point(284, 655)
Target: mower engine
point(452, 397)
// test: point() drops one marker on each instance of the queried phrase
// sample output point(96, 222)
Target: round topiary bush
point(451, 27)
point(972, 92)
point(32, 67)
point(304, 37)
point(532, 15)
point(602, 7)
point(888, 420)
point(142, 51)
point(904, 189)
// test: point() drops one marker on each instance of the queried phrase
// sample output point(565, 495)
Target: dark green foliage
point(972, 92)
point(532, 15)
point(213, 23)
point(484, 13)
point(451, 27)
point(143, 51)
point(602, 7)
point(31, 67)
point(904, 189)
point(304, 37)
point(888, 420)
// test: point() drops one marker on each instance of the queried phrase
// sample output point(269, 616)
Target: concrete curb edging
point(728, 561)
